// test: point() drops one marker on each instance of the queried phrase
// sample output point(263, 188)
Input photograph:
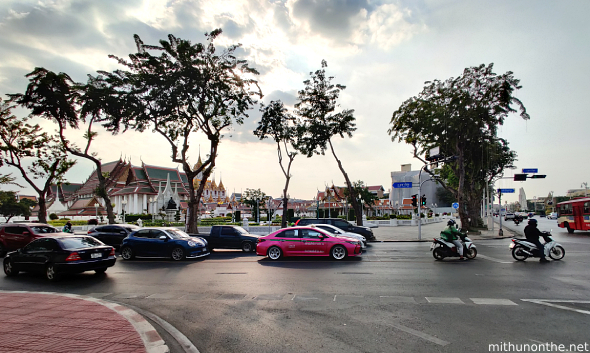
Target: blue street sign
point(530, 170)
point(506, 191)
point(455, 205)
point(402, 185)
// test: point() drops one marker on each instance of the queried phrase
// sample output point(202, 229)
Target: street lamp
point(96, 210)
point(152, 203)
point(124, 202)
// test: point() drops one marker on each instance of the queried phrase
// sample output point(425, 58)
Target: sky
point(382, 51)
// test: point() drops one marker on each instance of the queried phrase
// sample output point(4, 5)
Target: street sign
point(455, 205)
point(506, 191)
point(530, 170)
point(405, 185)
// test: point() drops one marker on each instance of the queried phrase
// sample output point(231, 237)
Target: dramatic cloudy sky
point(383, 51)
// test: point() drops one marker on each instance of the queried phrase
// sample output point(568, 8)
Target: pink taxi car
point(306, 241)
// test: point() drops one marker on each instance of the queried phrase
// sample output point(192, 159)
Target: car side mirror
point(163, 237)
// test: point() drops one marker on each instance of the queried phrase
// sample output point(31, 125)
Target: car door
point(156, 246)
point(343, 225)
point(312, 243)
point(41, 253)
point(101, 233)
point(229, 238)
point(289, 241)
point(139, 242)
point(16, 237)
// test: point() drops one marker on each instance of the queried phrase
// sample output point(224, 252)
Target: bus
point(574, 214)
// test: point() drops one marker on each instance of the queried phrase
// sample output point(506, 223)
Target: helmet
point(451, 222)
point(533, 222)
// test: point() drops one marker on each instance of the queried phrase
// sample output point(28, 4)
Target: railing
point(402, 222)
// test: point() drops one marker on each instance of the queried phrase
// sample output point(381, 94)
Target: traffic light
point(519, 177)
point(423, 200)
point(415, 200)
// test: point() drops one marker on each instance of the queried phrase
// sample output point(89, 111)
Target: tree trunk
point(460, 190)
point(193, 211)
point(42, 215)
point(285, 204)
point(355, 206)
point(102, 191)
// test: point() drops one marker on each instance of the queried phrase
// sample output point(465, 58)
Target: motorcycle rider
point(532, 234)
point(452, 234)
point(67, 228)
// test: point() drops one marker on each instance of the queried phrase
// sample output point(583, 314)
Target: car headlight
point(192, 244)
point(354, 242)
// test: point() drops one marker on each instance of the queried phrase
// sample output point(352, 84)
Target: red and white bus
point(574, 214)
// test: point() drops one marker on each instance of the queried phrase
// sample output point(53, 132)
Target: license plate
point(96, 255)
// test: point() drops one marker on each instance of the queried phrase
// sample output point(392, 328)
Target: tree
point(320, 123)
point(10, 206)
point(188, 88)
point(461, 116)
point(362, 193)
point(69, 104)
point(278, 124)
point(254, 198)
point(22, 144)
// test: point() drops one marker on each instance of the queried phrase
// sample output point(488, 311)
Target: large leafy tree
point(57, 97)
point(10, 206)
point(281, 126)
point(461, 116)
point(177, 89)
point(321, 123)
point(363, 195)
point(39, 157)
point(256, 199)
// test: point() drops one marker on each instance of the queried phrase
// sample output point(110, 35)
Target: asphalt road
point(395, 298)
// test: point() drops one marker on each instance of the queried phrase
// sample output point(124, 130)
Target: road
point(395, 298)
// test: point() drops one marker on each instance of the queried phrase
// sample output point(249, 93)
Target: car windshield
point(79, 242)
point(241, 230)
point(44, 229)
point(177, 234)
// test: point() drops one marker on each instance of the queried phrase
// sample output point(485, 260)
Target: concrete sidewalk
point(430, 231)
point(43, 322)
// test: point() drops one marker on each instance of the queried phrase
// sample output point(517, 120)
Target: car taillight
point(73, 257)
point(260, 240)
point(112, 252)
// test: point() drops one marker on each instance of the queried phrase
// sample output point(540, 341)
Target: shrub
point(404, 216)
point(392, 216)
point(53, 216)
point(93, 221)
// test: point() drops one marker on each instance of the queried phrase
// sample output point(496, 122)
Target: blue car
point(163, 242)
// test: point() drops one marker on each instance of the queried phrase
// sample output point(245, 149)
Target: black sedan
point(58, 255)
point(112, 234)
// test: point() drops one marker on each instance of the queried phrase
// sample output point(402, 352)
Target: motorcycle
point(517, 220)
point(523, 249)
point(441, 248)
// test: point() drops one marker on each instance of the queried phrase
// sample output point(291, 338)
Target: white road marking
point(397, 299)
point(347, 296)
point(494, 259)
point(549, 302)
point(492, 301)
point(420, 334)
point(441, 300)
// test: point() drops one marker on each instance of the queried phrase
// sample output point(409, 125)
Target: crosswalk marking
point(492, 301)
point(441, 300)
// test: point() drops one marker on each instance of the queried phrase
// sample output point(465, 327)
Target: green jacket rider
point(451, 233)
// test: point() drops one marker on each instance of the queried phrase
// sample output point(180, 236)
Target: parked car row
point(34, 247)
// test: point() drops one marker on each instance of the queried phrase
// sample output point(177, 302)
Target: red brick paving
point(49, 323)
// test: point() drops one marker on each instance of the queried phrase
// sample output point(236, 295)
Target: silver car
point(339, 232)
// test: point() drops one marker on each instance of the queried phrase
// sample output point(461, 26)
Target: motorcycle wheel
point(438, 253)
point(471, 253)
point(557, 253)
point(518, 254)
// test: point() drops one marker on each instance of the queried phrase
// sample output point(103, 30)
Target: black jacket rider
point(532, 234)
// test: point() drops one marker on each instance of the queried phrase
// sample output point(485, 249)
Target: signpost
point(405, 185)
point(530, 170)
point(506, 191)
point(500, 191)
point(455, 205)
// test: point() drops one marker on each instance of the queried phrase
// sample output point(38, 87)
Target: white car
point(552, 215)
point(337, 231)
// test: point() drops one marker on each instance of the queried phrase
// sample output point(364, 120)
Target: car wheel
point(100, 271)
point(247, 247)
point(438, 253)
point(51, 274)
point(275, 253)
point(177, 254)
point(338, 252)
point(127, 253)
point(9, 270)
point(2, 250)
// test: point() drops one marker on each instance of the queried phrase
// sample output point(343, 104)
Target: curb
point(152, 341)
